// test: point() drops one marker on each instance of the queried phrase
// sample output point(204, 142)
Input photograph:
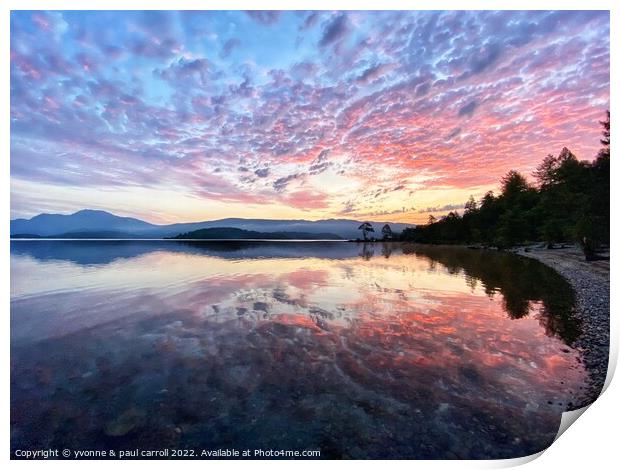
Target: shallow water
point(359, 351)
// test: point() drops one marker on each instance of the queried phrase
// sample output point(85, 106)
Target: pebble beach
point(590, 281)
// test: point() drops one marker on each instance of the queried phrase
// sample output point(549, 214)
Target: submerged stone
point(125, 423)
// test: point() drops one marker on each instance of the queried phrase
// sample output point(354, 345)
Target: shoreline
point(590, 282)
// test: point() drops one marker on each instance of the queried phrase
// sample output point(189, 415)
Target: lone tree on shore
point(365, 228)
point(387, 232)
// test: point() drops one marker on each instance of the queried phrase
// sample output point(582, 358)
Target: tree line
point(569, 202)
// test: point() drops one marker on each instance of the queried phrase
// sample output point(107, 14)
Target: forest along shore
point(590, 281)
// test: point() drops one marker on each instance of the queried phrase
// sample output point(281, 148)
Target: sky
point(389, 116)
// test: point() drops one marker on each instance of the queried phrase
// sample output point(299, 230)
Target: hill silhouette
point(230, 233)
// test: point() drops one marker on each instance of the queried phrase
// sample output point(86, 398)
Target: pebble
point(592, 292)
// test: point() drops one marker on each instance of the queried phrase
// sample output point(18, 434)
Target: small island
point(230, 233)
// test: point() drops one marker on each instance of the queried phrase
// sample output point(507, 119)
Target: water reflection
point(105, 252)
point(359, 350)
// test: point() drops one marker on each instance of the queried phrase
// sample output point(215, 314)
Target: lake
point(357, 350)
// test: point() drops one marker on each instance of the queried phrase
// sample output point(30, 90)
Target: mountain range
point(89, 223)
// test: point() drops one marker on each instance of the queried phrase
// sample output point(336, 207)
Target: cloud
point(229, 46)
point(264, 17)
point(453, 133)
point(320, 164)
point(51, 22)
point(197, 70)
point(422, 89)
point(468, 109)
point(307, 200)
point(348, 208)
point(304, 70)
point(380, 213)
point(444, 208)
point(374, 72)
point(484, 57)
point(310, 21)
point(335, 30)
point(155, 48)
point(281, 183)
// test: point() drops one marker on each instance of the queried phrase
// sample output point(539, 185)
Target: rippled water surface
point(359, 351)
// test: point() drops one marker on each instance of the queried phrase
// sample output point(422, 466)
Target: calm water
point(381, 350)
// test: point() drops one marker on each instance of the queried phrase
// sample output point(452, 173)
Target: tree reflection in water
point(521, 281)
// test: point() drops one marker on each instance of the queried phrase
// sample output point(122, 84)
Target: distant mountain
point(100, 224)
point(82, 221)
point(230, 233)
point(113, 234)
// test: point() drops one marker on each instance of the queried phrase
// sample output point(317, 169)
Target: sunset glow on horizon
point(391, 116)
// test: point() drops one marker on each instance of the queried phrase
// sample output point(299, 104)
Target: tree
point(552, 232)
point(409, 233)
point(513, 183)
point(606, 132)
point(512, 228)
point(599, 210)
point(387, 232)
point(566, 155)
point(546, 172)
point(470, 205)
point(487, 200)
point(365, 228)
point(431, 220)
